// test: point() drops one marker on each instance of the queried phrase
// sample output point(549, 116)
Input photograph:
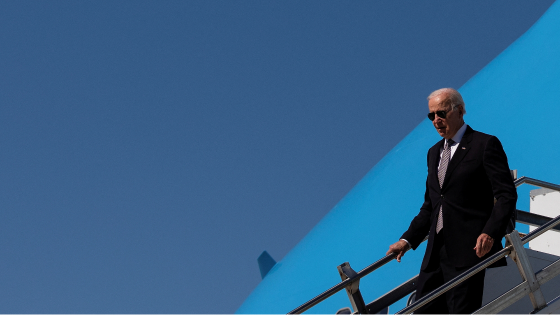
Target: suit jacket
point(477, 173)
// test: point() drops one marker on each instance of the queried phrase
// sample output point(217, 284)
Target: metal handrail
point(540, 230)
point(467, 274)
point(535, 182)
point(340, 286)
point(534, 219)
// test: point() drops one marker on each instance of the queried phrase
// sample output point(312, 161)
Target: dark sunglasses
point(440, 113)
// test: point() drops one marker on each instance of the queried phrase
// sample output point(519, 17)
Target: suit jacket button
point(442, 197)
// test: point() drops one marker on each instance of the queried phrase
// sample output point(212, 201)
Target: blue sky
point(150, 151)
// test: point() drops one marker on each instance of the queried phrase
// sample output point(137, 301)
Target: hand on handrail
point(483, 245)
point(399, 248)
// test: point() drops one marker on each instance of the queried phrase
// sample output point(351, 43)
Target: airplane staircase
point(524, 260)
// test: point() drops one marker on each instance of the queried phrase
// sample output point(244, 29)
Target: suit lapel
point(462, 150)
point(434, 161)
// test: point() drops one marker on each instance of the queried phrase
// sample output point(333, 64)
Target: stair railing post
point(522, 260)
point(353, 289)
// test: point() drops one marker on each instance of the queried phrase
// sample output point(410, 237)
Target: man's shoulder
point(480, 141)
point(478, 133)
point(481, 136)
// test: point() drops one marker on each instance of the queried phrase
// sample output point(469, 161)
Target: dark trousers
point(465, 298)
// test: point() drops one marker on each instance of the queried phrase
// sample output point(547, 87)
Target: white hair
point(452, 96)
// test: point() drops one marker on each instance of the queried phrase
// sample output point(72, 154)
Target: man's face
point(446, 127)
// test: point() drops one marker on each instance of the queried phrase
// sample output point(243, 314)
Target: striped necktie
point(445, 157)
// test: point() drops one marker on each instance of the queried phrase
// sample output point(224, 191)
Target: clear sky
point(151, 150)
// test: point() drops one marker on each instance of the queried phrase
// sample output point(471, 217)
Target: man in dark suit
point(467, 169)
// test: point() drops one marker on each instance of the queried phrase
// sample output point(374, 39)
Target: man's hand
point(398, 248)
point(483, 245)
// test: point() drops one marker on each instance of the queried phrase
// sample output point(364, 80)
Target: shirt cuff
point(409, 246)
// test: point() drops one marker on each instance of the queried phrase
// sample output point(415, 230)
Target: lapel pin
point(463, 148)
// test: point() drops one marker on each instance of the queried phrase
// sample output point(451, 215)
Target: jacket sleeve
point(420, 225)
point(497, 169)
